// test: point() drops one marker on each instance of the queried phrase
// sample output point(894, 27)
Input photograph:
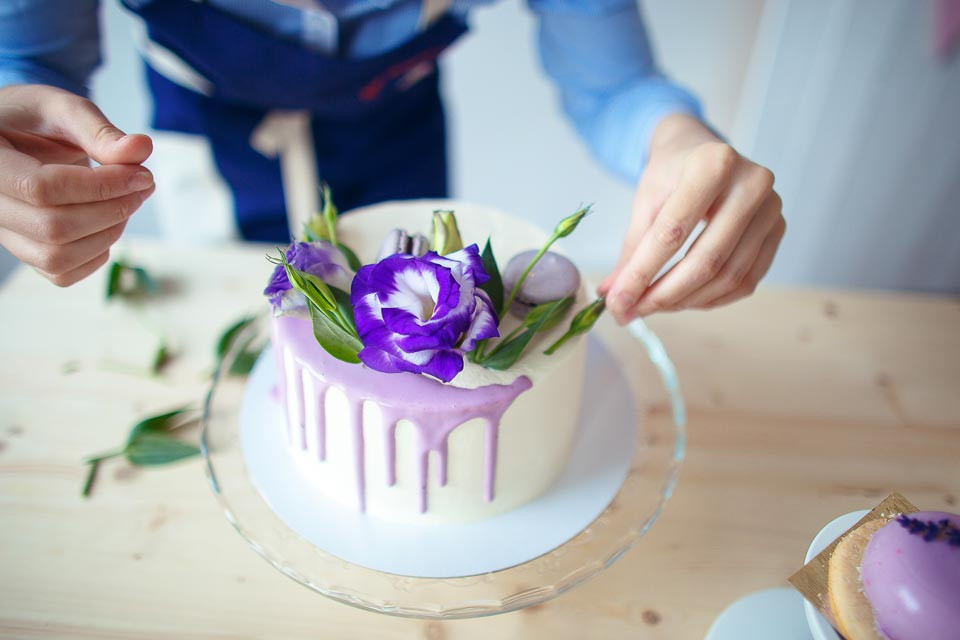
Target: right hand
point(57, 213)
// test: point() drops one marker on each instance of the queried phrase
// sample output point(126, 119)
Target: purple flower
point(321, 259)
point(421, 314)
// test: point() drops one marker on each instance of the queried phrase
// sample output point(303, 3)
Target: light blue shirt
point(596, 51)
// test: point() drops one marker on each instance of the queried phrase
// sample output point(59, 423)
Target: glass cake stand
point(660, 442)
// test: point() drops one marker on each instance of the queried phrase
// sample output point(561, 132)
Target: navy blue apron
point(375, 138)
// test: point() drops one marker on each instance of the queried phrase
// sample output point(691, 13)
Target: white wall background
point(841, 98)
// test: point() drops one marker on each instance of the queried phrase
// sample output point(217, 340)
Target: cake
point(397, 419)
point(898, 579)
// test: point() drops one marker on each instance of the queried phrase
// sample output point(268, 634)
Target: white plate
point(819, 627)
point(762, 615)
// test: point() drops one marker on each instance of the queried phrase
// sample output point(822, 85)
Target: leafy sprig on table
point(247, 356)
point(151, 441)
point(129, 281)
point(134, 284)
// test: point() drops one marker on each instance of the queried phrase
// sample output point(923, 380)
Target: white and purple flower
point(422, 314)
point(321, 259)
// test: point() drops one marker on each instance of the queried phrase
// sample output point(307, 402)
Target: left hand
point(690, 176)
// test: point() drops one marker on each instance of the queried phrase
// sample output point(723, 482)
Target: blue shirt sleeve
point(53, 42)
point(599, 55)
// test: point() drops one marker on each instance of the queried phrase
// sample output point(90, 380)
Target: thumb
point(80, 122)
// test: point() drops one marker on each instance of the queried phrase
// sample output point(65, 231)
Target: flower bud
point(566, 226)
point(446, 234)
point(329, 214)
point(581, 323)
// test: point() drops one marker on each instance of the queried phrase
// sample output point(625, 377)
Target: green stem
point(510, 336)
point(523, 276)
point(562, 340)
point(94, 462)
point(91, 476)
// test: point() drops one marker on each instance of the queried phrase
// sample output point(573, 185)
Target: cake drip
point(306, 373)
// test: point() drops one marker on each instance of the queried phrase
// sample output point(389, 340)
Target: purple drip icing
point(435, 409)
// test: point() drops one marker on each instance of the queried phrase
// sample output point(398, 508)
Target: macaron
point(399, 241)
point(553, 277)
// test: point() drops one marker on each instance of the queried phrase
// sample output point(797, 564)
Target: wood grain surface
point(803, 405)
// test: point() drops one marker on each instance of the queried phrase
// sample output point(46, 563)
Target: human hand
point(57, 213)
point(690, 176)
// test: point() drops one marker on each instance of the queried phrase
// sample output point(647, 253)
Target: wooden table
point(802, 405)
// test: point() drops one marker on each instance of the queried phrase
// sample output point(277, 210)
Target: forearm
point(600, 58)
point(53, 42)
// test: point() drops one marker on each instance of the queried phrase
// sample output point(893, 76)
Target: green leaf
point(246, 355)
point(494, 286)
point(352, 260)
point(243, 363)
point(160, 423)
point(505, 354)
point(332, 337)
point(113, 279)
point(229, 335)
point(130, 282)
point(151, 449)
point(160, 358)
point(144, 284)
point(549, 314)
point(345, 309)
point(149, 443)
point(330, 313)
point(316, 290)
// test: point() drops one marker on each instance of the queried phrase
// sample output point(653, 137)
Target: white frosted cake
point(405, 445)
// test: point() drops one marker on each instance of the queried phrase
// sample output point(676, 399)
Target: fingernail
point(141, 180)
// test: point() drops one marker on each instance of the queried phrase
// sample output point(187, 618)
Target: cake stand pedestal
point(547, 563)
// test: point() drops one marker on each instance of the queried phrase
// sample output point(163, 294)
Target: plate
point(771, 613)
point(658, 448)
point(819, 627)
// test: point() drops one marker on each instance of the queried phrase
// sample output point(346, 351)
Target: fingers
point(61, 115)
point(45, 150)
point(24, 178)
point(76, 275)
point(64, 224)
point(704, 177)
point(760, 267)
point(734, 271)
point(726, 249)
point(81, 122)
point(60, 260)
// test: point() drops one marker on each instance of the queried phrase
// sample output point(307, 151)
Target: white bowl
point(819, 627)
